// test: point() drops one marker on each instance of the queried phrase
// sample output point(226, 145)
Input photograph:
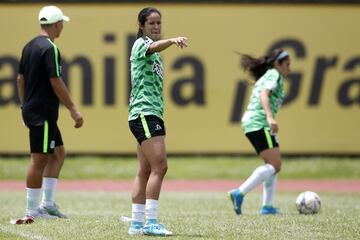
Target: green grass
point(94, 215)
point(191, 215)
point(192, 168)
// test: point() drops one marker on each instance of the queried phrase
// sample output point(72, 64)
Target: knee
point(38, 165)
point(59, 154)
point(38, 162)
point(277, 167)
point(160, 168)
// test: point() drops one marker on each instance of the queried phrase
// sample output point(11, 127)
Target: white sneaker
point(53, 211)
point(156, 229)
point(40, 213)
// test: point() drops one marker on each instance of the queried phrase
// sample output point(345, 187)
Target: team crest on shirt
point(157, 68)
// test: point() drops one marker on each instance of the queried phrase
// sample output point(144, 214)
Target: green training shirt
point(255, 117)
point(146, 81)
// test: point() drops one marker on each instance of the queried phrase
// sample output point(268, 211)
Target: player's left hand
point(76, 115)
point(180, 42)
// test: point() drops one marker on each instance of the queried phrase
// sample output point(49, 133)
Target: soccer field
point(190, 215)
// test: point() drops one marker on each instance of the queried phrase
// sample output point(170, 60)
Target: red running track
point(196, 185)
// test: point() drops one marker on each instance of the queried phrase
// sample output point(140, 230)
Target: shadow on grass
point(187, 236)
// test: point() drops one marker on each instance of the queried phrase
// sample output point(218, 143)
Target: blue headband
point(282, 55)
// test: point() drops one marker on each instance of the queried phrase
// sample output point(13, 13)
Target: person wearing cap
point(260, 126)
point(40, 90)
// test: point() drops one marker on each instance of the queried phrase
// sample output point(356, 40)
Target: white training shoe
point(156, 229)
point(53, 211)
point(40, 213)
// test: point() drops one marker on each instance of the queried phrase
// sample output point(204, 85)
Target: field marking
point(21, 233)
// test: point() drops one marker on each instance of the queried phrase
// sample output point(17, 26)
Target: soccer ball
point(308, 203)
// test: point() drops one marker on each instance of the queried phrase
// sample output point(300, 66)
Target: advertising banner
point(205, 89)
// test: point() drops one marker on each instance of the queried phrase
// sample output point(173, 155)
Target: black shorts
point(44, 139)
point(262, 139)
point(146, 127)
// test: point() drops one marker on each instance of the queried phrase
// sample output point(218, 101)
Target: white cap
point(51, 14)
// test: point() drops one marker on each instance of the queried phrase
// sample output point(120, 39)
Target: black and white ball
point(308, 203)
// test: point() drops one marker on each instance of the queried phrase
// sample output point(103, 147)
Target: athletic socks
point(137, 212)
point(32, 200)
point(151, 211)
point(49, 191)
point(269, 190)
point(259, 175)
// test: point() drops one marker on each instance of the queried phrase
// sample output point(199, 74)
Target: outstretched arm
point(161, 45)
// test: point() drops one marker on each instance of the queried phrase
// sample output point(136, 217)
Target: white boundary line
point(26, 235)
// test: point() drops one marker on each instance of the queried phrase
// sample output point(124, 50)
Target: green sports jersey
point(255, 118)
point(146, 81)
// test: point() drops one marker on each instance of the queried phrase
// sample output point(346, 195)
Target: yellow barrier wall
point(205, 88)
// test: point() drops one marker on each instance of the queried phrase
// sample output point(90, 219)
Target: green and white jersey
point(146, 81)
point(255, 118)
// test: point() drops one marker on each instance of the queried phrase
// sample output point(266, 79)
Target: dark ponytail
point(258, 66)
point(142, 16)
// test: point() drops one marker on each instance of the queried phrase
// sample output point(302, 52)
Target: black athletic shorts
point(145, 127)
point(44, 139)
point(262, 139)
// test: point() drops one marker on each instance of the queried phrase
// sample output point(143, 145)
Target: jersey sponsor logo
point(157, 68)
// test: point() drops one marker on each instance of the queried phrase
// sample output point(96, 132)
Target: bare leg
point(55, 163)
point(142, 176)
point(155, 153)
point(36, 169)
point(272, 156)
